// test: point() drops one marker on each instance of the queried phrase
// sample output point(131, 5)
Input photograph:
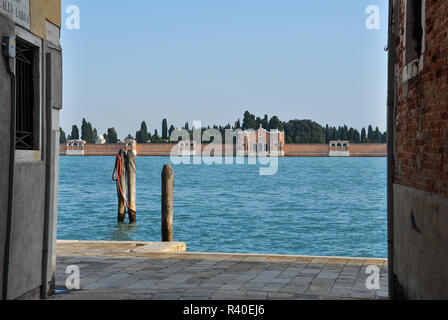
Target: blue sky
point(210, 60)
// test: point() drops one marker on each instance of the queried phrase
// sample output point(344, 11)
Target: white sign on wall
point(17, 10)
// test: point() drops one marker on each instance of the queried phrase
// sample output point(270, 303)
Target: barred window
point(24, 97)
point(414, 30)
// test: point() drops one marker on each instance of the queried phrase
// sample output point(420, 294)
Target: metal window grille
point(24, 97)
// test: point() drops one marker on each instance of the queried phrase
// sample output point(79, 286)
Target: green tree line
point(296, 131)
point(90, 134)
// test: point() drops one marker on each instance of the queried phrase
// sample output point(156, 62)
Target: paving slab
point(118, 271)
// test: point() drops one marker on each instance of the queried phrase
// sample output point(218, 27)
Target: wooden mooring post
point(167, 203)
point(121, 187)
point(131, 174)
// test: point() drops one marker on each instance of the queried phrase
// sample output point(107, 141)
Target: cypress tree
point(84, 131)
point(356, 136)
point(90, 133)
point(275, 123)
point(334, 134)
point(370, 137)
point(143, 136)
point(377, 135)
point(344, 133)
point(62, 138)
point(112, 135)
point(171, 130)
point(164, 129)
point(238, 124)
point(75, 132)
point(265, 122)
point(363, 136)
point(350, 134)
point(249, 121)
point(87, 133)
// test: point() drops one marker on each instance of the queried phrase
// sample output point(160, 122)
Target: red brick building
point(418, 149)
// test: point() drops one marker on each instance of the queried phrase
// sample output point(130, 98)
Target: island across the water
point(335, 148)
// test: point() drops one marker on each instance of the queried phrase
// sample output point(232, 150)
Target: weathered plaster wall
point(53, 104)
point(41, 11)
point(35, 186)
point(5, 128)
point(25, 272)
point(421, 243)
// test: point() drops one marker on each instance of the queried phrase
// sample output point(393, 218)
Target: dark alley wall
point(419, 115)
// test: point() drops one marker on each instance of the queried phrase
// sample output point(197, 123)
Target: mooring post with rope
point(121, 185)
point(131, 174)
point(124, 168)
point(167, 203)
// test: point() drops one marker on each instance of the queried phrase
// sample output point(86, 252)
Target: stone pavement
point(203, 276)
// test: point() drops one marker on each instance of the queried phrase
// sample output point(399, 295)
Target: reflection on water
point(123, 231)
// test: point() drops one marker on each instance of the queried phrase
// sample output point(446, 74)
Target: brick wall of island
point(291, 150)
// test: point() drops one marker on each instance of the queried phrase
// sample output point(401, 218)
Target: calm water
point(312, 206)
